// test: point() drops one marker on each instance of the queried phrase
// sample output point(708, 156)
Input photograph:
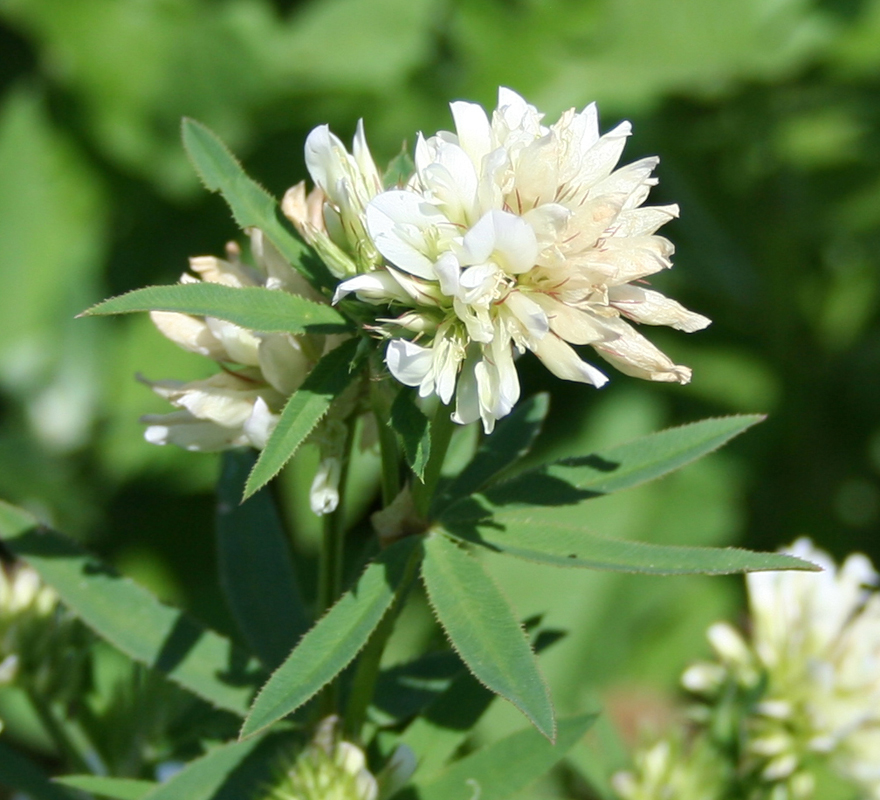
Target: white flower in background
point(814, 658)
point(512, 235)
point(329, 769)
point(664, 771)
point(331, 216)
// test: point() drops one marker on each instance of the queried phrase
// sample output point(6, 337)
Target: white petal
point(565, 363)
point(259, 425)
point(473, 129)
point(397, 222)
point(505, 238)
point(634, 355)
point(600, 159)
point(448, 273)
point(282, 362)
point(184, 430)
point(408, 362)
point(467, 400)
point(572, 324)
point(324, 492)
point(372, 287)
point(529, 314)
point(241, 344)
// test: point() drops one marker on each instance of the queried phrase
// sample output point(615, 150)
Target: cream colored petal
point(190, 333)
point(642, 221)
point(622, 260)
point(218, 270)
point(634, 355)
point(184, 430)
point(282, 362)
point(241, 344)
point(572, 324)
point(564, 362)
point(652, 308)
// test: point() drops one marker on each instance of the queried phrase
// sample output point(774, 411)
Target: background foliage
point(764, 113)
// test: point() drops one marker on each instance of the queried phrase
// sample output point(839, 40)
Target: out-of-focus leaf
point(264, 310)
point(399, 170)
point(534, 534)
point(510, 441)
point(129, 617)
point(20, 774)
point(336, 638)
point(203, 778)
point(504, 768)
point(116, 788)
point(414, 430)
point(575, 479)
point(256, 570)
point(252, 206)
point(329, 378)
point(484, 631)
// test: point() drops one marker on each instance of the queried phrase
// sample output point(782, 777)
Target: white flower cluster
point(665, 772)
point(813, 658)
point(241, 405)
point(509, 236)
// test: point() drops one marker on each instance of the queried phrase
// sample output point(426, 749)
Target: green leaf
point(414, 430)
point(483, 630)
point(399, 170)
point(264, 310)
point(575, 479)
point(305, 408)
point(20, 774)
point(255, 565)
point(252, 206)
point(203, 778)
point(510, 441)
point(505, 768)
point(335, 639)
point(533, 533)
point(117, 788)
point(129, 617)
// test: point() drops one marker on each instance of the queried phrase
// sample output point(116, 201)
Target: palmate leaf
point(254, 307)
point(538, 535)
point(483, 630)
point(574, 479)
point(252, 206)
point(334, 641)
point(255, 565)
point(504, 768)
point(305, 408)
point(115, 788)
point(20, 774)
point(129, 617)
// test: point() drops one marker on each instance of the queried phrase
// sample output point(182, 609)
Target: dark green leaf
point(505, 768)
point(414, 430)
point(116, 788)
point(483, 629)
point(251, 204)
point(19, 774)
point(256, 570)
point(510, 441)
point(335, 639)
point(129, 617)
point(264, 310)
point(533, 533)
point(575, 479)
point(305, 408)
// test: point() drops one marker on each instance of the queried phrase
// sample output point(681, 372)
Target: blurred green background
point(764, 113)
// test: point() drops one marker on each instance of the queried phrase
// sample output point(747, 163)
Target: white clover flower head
point(814, 654)
point(240, 406)
point(520, 236)
point(667, 771)
point(329, 769)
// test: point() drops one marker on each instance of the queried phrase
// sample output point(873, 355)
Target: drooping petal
point(652, 308)
point(408, 361)
point(634, 355)
point(190, 333)
point(184, 430)
point(564, 362)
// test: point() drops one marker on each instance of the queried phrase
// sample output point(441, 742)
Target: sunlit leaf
point(129, 617)
point(264, 310)
point(305, 408)
point(252, 206)
point(336, 638)
point(484, 631)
